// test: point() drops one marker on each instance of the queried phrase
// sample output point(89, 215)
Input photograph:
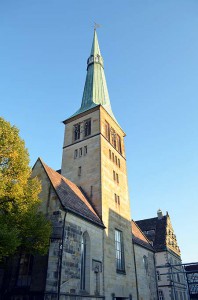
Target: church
point(96, 250)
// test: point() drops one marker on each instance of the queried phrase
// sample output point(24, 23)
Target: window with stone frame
point(107, 130)
point(109, 153)
point(158, 276)
point(113, 137)
point(85, 150)
point(117, 199)
point(85, 265)
point(118, 162)
point(75, 153)
point(115, 140)
point(117, 177)
point(119, 148)
point(119, 248)
point(161, 295)
point(87, 127)
point(25, 270)
point(79, 171)
point(76, 133)
point(80, 152)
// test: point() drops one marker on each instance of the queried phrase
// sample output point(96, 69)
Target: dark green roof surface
point(95, 89)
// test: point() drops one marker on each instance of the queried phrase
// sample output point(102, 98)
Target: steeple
point(95, 89)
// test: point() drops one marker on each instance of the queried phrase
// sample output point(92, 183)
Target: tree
point(22, 225)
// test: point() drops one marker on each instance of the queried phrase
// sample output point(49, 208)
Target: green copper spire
point(95, 89)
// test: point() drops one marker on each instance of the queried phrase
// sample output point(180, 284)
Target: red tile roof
point(139, 238)
point(71, 196)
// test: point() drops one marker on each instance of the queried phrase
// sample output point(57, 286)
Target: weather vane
point(96, 25)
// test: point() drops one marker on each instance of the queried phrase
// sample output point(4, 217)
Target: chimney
point(159, 214)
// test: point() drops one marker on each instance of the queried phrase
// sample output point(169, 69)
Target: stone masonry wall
point(146, 274)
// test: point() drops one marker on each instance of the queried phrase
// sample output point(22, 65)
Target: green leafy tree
point(22, 225)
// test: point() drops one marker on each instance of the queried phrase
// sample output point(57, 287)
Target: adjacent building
point(144, 260)
point(171, 279)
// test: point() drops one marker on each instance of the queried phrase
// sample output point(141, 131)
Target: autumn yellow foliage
point(21, 223)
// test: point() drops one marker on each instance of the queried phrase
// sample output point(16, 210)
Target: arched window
point(85, 263)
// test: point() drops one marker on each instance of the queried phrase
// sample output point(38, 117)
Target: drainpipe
point(173, 281)
point(156, 279)
point(61, 257)
point(136, 280)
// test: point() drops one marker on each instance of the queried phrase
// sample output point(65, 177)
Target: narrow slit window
point(109, 153)
point(79, 171)
point(118, 162)
point(85, 150)
point(114, 175)
point(115, 196)
point(117, 178)
point(75, 153)
point(158, 276)
point(80, 152)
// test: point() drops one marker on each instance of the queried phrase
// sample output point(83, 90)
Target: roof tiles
point(139, 237)
point(71, 196)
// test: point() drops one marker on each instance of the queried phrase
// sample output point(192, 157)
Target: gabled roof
point(160, 231)
point(139, 238)
point(71, 196)
point(155, 231)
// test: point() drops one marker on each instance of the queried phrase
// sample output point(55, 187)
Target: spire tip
point(96, 26)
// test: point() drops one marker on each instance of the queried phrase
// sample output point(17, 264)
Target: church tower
point(94, 159)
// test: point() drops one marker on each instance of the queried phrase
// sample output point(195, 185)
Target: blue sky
point(150, 51)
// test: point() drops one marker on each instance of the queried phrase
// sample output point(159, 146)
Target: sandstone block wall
point(146, 274)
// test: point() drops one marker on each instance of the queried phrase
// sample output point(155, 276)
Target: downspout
point(103, 235)
point(173, 281)
point(156, 279)
point(136, 280)
point(61, 256)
